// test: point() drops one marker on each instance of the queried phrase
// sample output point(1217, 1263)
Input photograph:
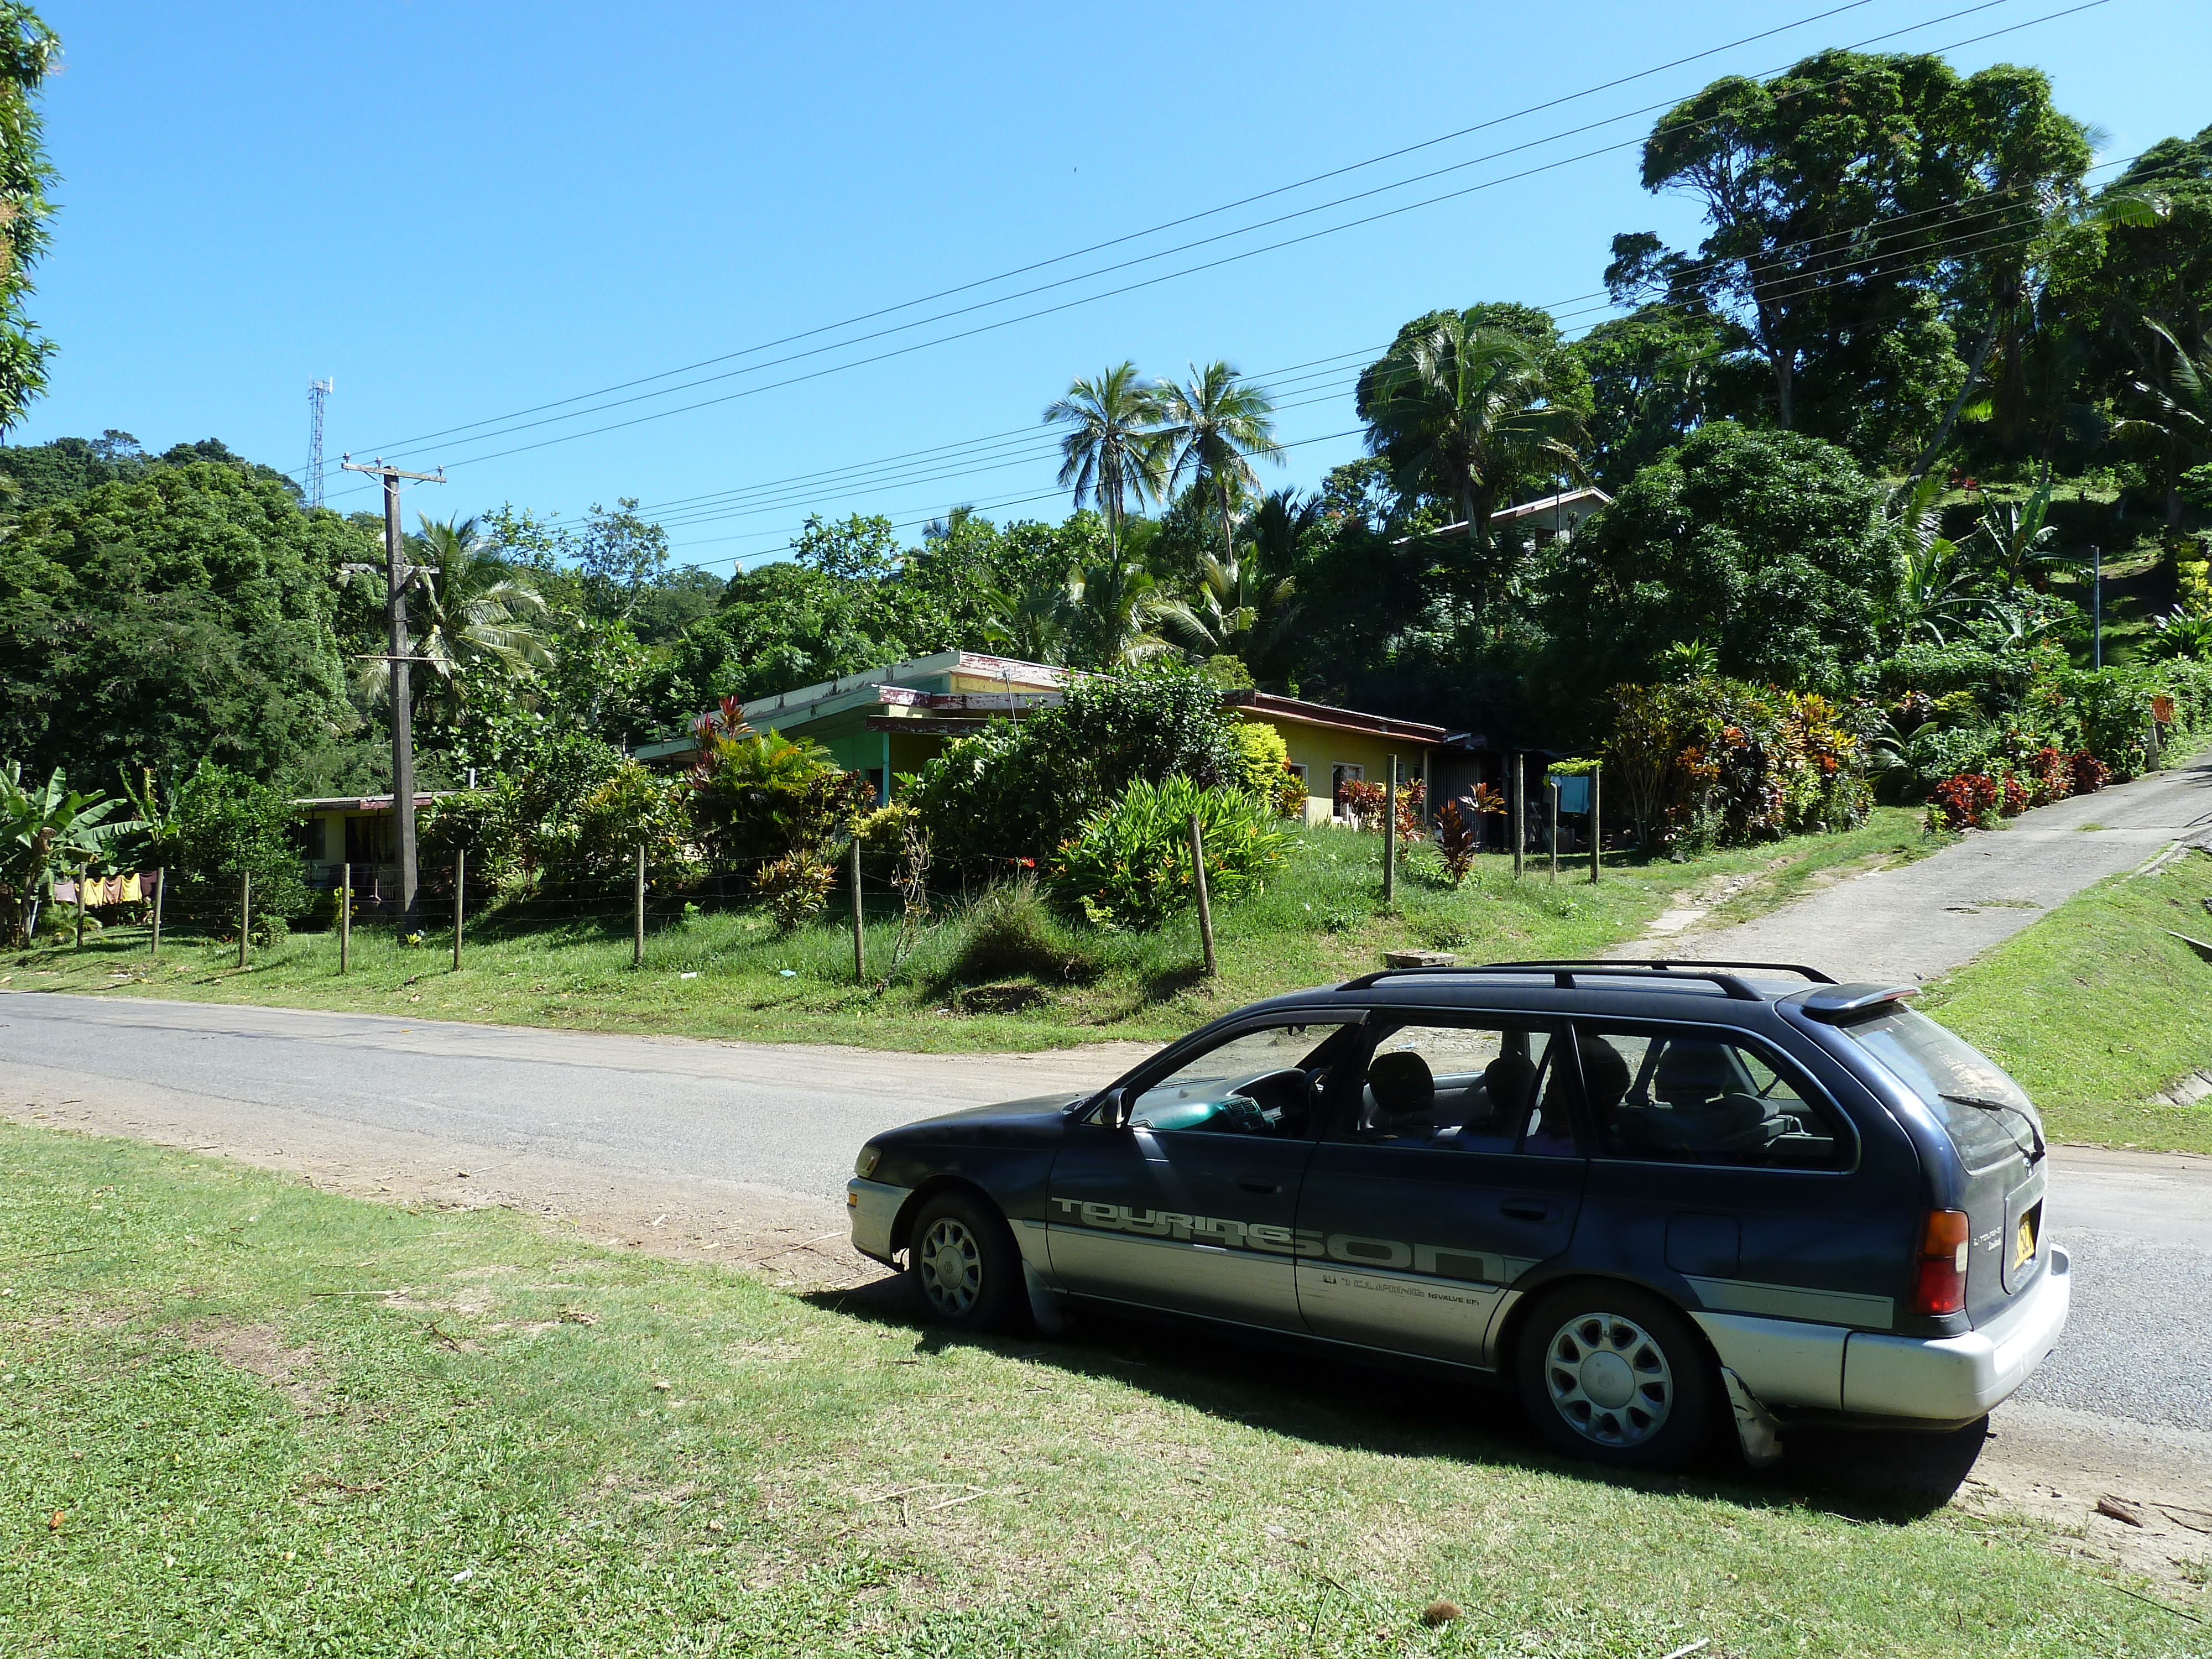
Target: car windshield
point(1988, 1115)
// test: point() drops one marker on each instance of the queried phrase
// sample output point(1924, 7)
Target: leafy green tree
point(182, 615)
point(43, 832)
point(623, 557)
point(28, 52)
point(1113, 451)
point(1213, 425)
point(44, 474)
point(1651, 383)
point(1773, 547)
point(228, 826)
point(1114, 613)
point(1839, 196)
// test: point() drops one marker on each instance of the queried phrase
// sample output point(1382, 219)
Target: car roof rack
point(1563, 973)
point(1677, 963)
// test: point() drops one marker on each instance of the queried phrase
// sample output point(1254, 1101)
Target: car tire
point(1616, 1375)
point(965, 1270)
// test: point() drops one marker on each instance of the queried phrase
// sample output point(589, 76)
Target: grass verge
point(999, 972)
point(240, 1417)
point(2098, 1010)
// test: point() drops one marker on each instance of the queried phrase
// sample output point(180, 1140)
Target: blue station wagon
point(1657, 1198)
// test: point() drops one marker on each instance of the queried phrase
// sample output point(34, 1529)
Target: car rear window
point(1936, 1063)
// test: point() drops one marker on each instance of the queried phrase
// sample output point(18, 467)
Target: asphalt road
point(1926, 918)
point(669, 1113)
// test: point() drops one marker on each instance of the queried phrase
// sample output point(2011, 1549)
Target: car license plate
point(2023, 1242)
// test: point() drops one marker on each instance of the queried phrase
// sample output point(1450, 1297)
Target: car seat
point(1401, 1095)
point(1703, 1084)
point(1507, 1083)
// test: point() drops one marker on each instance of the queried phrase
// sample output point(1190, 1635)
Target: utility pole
point(398, 576)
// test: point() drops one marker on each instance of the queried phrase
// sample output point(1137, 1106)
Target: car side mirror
point(1114, 1110)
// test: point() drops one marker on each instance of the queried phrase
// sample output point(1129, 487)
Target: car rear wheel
point(1614, 1374)
point(964, 1264)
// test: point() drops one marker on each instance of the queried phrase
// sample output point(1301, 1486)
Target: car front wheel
point(965, 1265)
point(1613, 1374)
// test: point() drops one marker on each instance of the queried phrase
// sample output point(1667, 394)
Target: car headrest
point(1693, 1071)
point(1605, 1073)
point(1402, 1084)
point(1508, 1081)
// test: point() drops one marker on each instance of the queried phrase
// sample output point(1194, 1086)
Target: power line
point(1170, 224)
point(1177, 275)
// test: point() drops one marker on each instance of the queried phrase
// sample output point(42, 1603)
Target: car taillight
point(1941, 1286)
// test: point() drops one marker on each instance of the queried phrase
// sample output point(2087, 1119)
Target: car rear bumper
point(1959, 1378)
point(874, 1206)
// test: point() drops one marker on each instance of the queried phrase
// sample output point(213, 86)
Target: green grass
point(2097, 1009)
point(238, 1416)
point(1050, 983)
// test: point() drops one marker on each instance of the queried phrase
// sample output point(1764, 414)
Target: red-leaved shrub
point(1965, 798)
point(2014, 800)
point(2089, 773)
point(2053, 771)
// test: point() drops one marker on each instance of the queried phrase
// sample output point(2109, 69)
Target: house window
point(1339, 773)
point(1296, 769)
point(874, 775)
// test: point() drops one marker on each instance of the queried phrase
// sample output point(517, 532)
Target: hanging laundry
point(65, 892)
point(133, 892)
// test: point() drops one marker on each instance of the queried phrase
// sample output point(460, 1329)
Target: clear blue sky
point(457, 211)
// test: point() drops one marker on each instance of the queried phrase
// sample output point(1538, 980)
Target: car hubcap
point(1609, 1379)
point(951, 1267)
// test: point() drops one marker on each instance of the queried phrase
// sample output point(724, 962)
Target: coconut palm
point(1112, 450)
point(2174, 419)
point(1032, 621)
point(50, 828)
point(1235, 611)
point(1114, 611)
point(476, 612)
point(1213, 425)
point(1463, 409)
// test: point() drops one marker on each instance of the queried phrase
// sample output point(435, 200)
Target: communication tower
point(317, 391)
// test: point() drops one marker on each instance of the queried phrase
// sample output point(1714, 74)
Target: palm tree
point(2176, 418)
point(476, 612)
point(1032, 621)
point(1234, 612)
point(1113, 449)
point(1114, 610)
point(1213, 423)
point(1463, 409)
point(43, 829)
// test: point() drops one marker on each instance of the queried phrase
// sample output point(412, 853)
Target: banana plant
point(43, 829)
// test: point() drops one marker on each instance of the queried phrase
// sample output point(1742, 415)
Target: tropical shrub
point(795, 888)
point(1455, 841)
point(1009, 931)
point(1963, 801)
point(1715, 761)
point(634, 808)
point(2090, 773)
point(1129, 863)
point(2053, 772)
point(1363, 803)
point(228, 826)
point(1019, 788)
point(43, 830)
point(2013, 796)
point(1263, 756)
point(758, 796)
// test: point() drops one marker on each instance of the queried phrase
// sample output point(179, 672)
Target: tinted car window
point(1486, 1088)
point(1258, 1083)
point(1949, 1073)
point(1699, 1098)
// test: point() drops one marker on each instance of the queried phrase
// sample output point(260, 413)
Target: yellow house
point(1330, 747)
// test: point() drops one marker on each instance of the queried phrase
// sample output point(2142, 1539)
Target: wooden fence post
point(80, 907)
point(1390, 837)
point(1520, 829)
point(244, 913)
point(461, 876)
point(859, 938)
point(637, 928)
point(345, 916)
point(160, 881)
point(1596, 830)
point(1205, 908)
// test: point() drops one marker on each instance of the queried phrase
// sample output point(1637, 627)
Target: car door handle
point(1526, 1209)
point(1253, 1186)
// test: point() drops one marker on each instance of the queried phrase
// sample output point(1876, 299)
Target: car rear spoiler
point(1834, 1003)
